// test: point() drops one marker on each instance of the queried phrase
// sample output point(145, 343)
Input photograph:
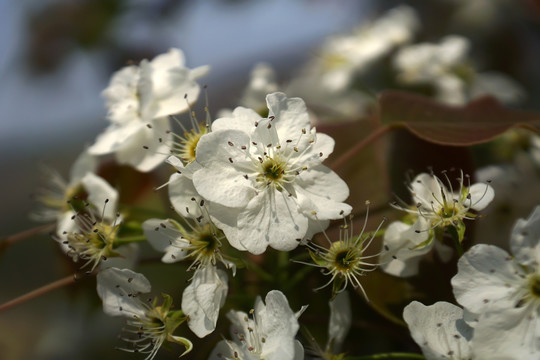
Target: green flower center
point(273, 170)
point(534, 285)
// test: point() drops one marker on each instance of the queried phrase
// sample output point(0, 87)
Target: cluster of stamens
point(344, 260)
point(201, 239)
point(274, 165)
point(93, 241)
point(447, 208)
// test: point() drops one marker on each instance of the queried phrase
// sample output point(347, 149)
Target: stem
point(8, 240)
point(459, 248)
point(39, 291)
point(128, 239)
point(395, 355)
point(362, 144)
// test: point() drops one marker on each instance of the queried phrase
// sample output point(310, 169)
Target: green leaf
point(479, 121)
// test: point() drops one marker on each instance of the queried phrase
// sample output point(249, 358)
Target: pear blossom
point(89, 233)
point(436, 208)
point(139, 101)
point(149, 325)
point(502, 292)
point(267, 332)
point(264, 178)
point(344, 260)
point(447, 68)
point(200, 242)
point(440, 331)
point(327, 82)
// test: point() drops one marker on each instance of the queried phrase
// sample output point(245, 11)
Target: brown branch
point(39, 291)
point(8, 240)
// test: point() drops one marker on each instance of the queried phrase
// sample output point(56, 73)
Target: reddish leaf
point(479, 121)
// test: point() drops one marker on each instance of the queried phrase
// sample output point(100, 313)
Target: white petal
point(226, 219)
point(486, 277)
point(481, 196)
point(290, 114)
point(439, 330)
point(525, 239)
point(117, 287)
point(402, 257)
point(271, 219)
point(340, 321)
point(427, 190)
point(203, 298)
point(85, 163)
point(322, 190)
point(164, 237)
point(115, 137)
point(181, 191)
point(219, 180)
point(242, 119)
point(102, 195)
point(280, 325)
point(133, 151)
point(510, 334)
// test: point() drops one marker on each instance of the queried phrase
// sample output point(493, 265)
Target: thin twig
point(38, 292)
point(8, 240)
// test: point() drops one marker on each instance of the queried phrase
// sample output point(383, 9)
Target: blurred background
point(56, 56)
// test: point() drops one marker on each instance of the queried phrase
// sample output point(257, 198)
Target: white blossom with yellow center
point(139, 101)
point(503, 294)
point(265, 178)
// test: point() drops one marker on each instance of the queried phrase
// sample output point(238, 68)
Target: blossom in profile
point(267, 332)
point(199, 242)
point(440, 331)
point(139, 101)
point(149, 324)
point(438, 208)
point(90, 232)
point(446, 66)
point(264, 178)
point(503, 293)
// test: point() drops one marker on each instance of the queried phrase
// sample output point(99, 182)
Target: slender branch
point(362, 144)
point(38, 292)
point(395, 355)
point(8, 240)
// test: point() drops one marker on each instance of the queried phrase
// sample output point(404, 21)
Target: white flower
point(268, 332)
point(504, 293)
point(88, 231)
point(446, 67)
point(439, 330)
point(139, 100)
point(436, 207)
point(328, 80)
point(199, 242)
point(149, 325)
point(265, 178)
point(443, 206)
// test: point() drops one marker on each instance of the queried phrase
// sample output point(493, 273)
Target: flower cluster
point(244, 200)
